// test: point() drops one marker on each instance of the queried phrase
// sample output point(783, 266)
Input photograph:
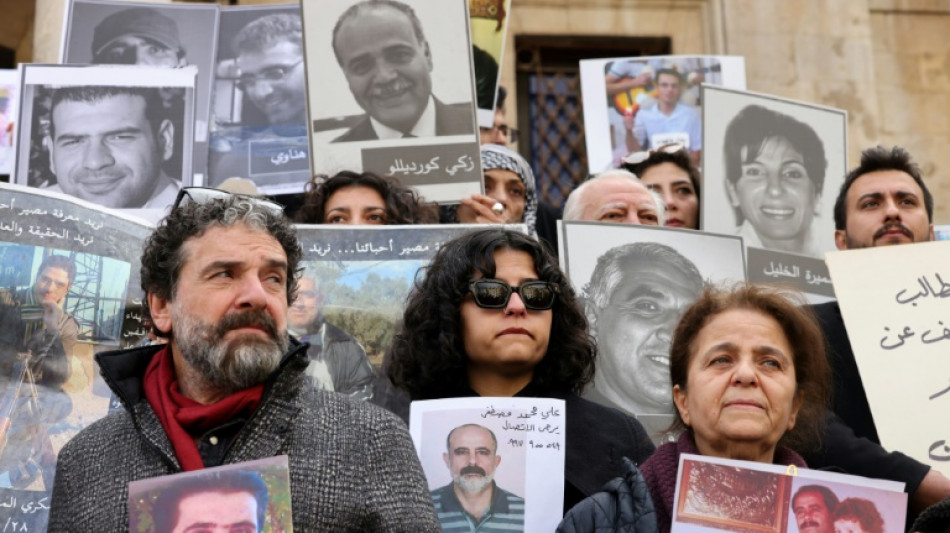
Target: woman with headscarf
point(511, 196)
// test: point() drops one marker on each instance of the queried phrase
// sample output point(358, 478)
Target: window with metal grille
point(550, 114)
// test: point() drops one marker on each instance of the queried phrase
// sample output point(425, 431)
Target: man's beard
point(230, 366)
point(472, 486)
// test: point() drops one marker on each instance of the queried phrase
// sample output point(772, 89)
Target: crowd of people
point(749, 375)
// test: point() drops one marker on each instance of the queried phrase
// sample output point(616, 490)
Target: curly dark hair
point(403, 204)
point(163, 256)
point(801, 329)
point(427, 357)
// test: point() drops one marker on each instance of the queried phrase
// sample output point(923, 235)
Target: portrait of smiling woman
point(775, 169)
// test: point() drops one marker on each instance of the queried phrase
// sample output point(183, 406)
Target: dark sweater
point(660, 471)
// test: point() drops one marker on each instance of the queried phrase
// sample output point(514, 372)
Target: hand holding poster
point(743, 496)
point(898, 318)
point(507, 451)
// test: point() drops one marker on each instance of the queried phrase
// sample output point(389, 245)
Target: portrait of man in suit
point(387, 62)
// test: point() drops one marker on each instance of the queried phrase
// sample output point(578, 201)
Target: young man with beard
point(882, 202)
point(473, 502)
point(229, 387)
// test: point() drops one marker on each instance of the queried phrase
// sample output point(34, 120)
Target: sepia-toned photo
point(776, 165)
point(755, 497)
point(113, 144)
point(249, 497)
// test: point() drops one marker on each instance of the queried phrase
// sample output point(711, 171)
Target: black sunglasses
point(204, 195)
point(495, 293)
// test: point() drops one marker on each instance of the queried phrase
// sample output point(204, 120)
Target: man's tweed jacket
point(352, 464)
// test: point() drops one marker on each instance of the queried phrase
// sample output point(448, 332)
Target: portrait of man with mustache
point(388, 65)
point(473, 501)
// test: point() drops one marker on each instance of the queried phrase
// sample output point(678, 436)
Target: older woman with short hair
point(750, 377)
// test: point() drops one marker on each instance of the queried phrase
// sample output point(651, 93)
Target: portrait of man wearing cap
point(169, 35)
point(138, 36)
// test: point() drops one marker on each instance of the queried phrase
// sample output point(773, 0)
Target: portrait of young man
point(116, 143)
point(109, 146)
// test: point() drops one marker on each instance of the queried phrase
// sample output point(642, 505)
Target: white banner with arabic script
point(894, 303)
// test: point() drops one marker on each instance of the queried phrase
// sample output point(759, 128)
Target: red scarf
point(184, 419)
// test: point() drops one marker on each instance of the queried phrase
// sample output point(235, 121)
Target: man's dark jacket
point(450, 119)
point(352, 465)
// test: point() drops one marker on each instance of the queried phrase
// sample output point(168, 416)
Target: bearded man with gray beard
point(229, 386)
point(473, 502)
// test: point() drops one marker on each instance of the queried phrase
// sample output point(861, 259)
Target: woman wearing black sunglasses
point(495, 316)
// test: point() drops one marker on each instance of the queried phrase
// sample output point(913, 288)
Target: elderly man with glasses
point(229, 386)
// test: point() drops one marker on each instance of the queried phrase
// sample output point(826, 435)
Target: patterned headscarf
point(497, 156)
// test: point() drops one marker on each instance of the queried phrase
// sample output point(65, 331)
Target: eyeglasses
point(509, 133)
point(495, 293)
point(273, 74)
point(639, 157)
point(204, 195)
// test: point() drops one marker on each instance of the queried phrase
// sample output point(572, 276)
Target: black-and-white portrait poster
point(107, 134)
point(259, 113)
point(69, 289)
point(633, 104)
point(634, 283)
point(154, 34)
point(390, 91)
point(772, 169)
